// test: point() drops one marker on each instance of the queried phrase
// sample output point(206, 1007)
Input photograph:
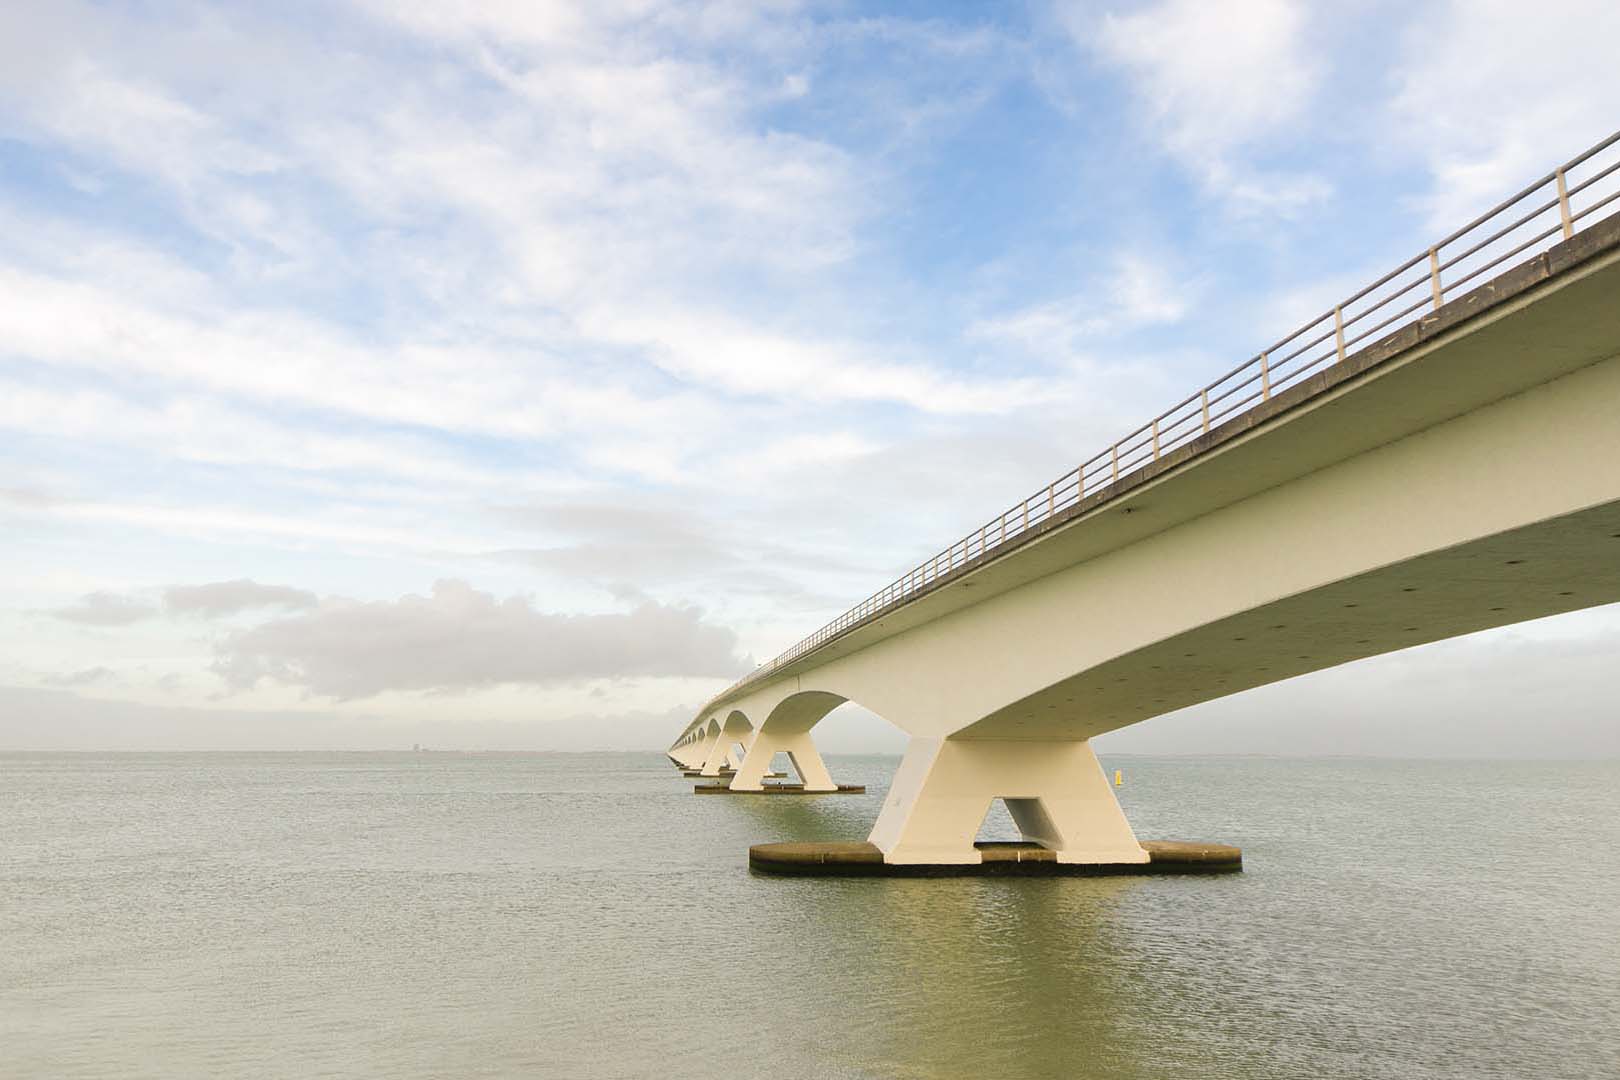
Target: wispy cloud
point(1135, 292)
point(1479, 100)
point(1216, 84)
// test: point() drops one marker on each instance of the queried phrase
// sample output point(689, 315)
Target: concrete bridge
point(1437, 455)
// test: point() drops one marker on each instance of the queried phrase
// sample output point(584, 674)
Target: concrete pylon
point(799, 749)
point(705, 746)
point(714, 755)
point(722, 751)
point(1054, 789)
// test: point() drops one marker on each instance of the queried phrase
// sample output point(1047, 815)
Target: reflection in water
point(586, 916)
point(998, 971)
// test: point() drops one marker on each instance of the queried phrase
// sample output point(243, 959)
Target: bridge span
point(1437, 455)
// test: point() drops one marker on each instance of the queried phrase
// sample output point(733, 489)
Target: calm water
point(586, 916)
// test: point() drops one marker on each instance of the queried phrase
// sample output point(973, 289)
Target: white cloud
point(1218, 81)
point(1491, 94)
point(741, 360)
point(195, 520)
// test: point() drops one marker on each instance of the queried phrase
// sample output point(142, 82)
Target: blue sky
point(518, 373)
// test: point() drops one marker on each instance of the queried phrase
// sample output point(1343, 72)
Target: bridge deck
point(1596, 239)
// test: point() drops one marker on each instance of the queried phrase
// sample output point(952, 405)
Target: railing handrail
point(1148, 443)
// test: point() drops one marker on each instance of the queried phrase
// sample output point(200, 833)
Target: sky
point(515, 375)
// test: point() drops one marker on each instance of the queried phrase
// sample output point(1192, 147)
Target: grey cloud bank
point(1501, 694)
point(209, 601)
point(58, 720)
point(459, 638)
point(106, 609)
point(85, 677)
point(222, 598)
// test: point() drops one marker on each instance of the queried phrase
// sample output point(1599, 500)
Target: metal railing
point(1403, 296)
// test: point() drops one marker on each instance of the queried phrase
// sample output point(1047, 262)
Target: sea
point(586, 916)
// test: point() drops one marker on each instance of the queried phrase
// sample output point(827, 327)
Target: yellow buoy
point(1119, 777)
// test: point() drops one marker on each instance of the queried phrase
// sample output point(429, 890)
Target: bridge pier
point(800, 750)
point(688, 754)
point(715, 759)
point(1054, 788)
point(722, 752)
point(710, 752)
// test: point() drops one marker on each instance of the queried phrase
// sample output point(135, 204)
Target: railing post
point(1114, 453)
point(1434, 278)
point(1563, 205)
point(1051, 499)
point(1079, 482)
point(1265, 377)
point(1338, 328)
point(1026, 516)
point(1155, 438)
point(1203, 404)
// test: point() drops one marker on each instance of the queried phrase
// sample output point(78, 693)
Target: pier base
point(778, 789)
point(857, 858)
point(725, 774)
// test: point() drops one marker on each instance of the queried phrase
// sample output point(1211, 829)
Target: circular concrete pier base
point(836, 858)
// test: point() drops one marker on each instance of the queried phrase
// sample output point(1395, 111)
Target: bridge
point(1438, 454)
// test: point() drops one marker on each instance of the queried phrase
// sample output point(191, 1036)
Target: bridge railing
point(1546, 212)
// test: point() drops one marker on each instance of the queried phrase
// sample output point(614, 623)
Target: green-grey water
point(437, 915)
